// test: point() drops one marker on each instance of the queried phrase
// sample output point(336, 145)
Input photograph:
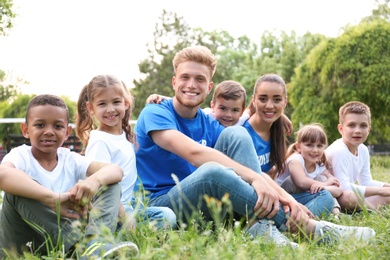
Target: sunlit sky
point(58, 46)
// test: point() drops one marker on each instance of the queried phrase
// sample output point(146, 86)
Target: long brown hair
point(277, 132)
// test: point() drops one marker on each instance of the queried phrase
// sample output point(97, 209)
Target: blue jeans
point(215, 180)
point(319, 203)
point(239, 150)
point(164, 217)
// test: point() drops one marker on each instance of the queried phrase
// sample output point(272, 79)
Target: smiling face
point(191, 83)
point(47, 128)
point(269, 101)
point(227, 111)
point(109, 107)
point(354, 130)
point(312, 152)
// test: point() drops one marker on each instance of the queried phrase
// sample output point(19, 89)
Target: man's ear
point(173, 83)
point(210, 87)
point(24, 129)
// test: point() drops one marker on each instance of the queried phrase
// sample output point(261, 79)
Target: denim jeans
point(164, 217)
point(215, 180)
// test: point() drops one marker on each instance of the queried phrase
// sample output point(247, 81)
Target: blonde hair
point(354, 107)
point(200, 54)
point(84, 120)
point(310, 133)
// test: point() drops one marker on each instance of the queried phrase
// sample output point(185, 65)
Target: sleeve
point(98, 151)
point(343, 171)
point(81, 163)
point(245, 116)
point(155, 117)
point(365, 177)
point(19, 157)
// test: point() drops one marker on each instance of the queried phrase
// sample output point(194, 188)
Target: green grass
point(220, 241)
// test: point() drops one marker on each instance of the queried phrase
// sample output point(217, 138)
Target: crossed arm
point(71, 204)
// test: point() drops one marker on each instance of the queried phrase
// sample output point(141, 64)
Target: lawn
point(220, 241)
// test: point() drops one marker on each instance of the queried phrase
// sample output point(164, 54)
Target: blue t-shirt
point(263, 148)
point(154, 164)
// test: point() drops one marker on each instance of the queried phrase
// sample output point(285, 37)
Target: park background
point(322, 72)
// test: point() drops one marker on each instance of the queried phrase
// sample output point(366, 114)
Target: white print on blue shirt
point(264, 158)
point(203, 142)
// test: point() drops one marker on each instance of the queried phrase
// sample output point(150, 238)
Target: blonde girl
point(103, 126)
point(307, 166)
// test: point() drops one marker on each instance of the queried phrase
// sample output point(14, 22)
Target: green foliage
point(381, 12)
point(238, 58)
point(7, 90)
point(6, 16)
point(351, 67)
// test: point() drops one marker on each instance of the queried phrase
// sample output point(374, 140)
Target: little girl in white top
point(106, 103)
point(307, 167)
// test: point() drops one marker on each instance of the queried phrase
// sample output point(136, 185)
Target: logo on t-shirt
point(264, 159)
point(203, 142)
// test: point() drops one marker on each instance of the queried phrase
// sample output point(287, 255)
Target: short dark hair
point(47, 99)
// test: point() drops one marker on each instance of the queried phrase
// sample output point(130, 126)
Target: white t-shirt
point(71, 168)
point(115, 149)
point(245, 116)
point(350, 169)
point(296, 156)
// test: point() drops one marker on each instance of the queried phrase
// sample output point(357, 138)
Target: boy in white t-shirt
point(350, 160)
point(50, 191)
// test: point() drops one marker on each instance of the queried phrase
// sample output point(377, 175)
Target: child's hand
point(316, 187)
point(62, 205)
point(155, 99)
point(332, 181)
point(82, 194)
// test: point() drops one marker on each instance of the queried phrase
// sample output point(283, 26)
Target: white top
point(71, 167)
point(298, 157)
point(115, 149)
point(245, 116)
point(352, 171)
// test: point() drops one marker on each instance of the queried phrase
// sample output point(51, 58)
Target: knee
point(170, 217)
point(327, 198)
point(111, 190)
point(214, 171)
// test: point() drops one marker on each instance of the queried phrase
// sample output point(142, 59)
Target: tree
point(6, 16)
point(9, 86)
point(239, 59)
point(353, 66)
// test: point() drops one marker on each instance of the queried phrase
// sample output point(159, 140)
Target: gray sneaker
point(329, 233)
point(265, 228)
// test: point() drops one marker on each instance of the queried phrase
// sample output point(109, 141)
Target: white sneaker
point(99, 250)
point(265, 229)
point(329, 233)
